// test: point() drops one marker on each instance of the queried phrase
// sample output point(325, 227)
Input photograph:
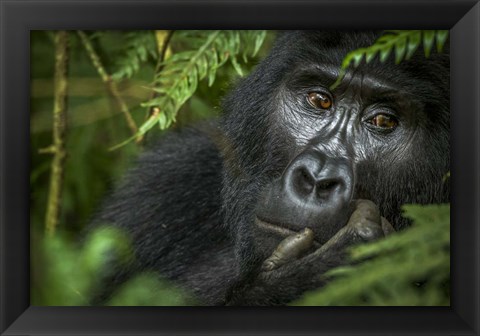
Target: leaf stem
point(162, 44)
point(107, 79)
point(59, 132)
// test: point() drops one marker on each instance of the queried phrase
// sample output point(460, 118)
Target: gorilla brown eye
point(384, 121)
point(319, 100)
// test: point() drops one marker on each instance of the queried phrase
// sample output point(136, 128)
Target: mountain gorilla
point(253, 209)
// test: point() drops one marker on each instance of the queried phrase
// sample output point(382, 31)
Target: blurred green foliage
point(69, 274)
point(147, 290)
point(61, 269)
point(408, 268)
point(95, 123)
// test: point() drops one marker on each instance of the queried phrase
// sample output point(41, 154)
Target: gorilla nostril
point(303, 182)
point(326, 187)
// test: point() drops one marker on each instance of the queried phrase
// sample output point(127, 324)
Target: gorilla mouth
point(280, 230)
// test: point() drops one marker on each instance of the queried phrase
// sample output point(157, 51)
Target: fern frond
point(139, 46)
point(181, 73)
point(404, 43)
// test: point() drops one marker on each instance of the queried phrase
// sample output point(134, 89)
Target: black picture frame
point(18, 17)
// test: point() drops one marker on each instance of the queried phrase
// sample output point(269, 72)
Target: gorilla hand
point(285, 275)
point(365, 224)
point(289, 249)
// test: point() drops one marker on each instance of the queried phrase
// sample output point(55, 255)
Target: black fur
point(189, 204)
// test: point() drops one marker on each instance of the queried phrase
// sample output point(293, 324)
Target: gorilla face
point(382, 135)
point(367, 121)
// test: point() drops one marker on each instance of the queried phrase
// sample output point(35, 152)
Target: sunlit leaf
point(428, 39)
point(400, 47)
point(413, 43)
point(442, 36)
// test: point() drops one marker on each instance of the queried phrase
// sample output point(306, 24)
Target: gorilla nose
point(306, 184)
point(314, 191)
point(313, 177)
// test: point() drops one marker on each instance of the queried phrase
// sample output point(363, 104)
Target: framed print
point(295, 165)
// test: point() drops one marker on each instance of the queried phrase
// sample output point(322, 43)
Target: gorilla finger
point(365, 209)
point(387, 227)
point(363, 225)
point(340, 239)
point(289, 249)
point(365, 221)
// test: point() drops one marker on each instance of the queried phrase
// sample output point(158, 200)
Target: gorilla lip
point(272, 227)
point(282, 231)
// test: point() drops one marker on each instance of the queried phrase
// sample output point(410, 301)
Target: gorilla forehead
point(249, 108)
point(330, 47)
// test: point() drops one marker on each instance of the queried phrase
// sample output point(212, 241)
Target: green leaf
point(213, 68)
point(400, 47)
point(442, 36)
point(237, 66)
point(370, 54)
point(148, 124)
point(428, 39)
point(162, 121)
point(357, 58)
point(202, 65)
point(413, 43)
point(384, 53)
point(339, 79)
point(139, 45)
point(259, 39)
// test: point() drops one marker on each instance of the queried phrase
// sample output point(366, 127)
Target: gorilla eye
point(319, 100)
point(384, 121)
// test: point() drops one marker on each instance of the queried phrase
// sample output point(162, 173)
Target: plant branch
point(162, 41)
point(59, 131)
point(107, 79)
